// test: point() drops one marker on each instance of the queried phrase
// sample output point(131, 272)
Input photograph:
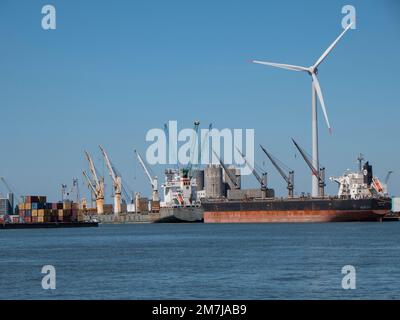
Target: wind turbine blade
point(327, 51)
point(321, 99)
point(282, 66)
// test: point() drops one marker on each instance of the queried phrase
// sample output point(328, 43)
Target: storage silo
point(213, 183)
point(199, 176)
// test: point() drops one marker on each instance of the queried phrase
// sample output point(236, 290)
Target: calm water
point(200, 261)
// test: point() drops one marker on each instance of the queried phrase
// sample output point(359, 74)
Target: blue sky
point(113, 70)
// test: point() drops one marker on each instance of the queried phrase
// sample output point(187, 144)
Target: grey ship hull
point(181, 214)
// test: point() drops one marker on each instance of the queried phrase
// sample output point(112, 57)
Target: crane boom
point(92, 168)
point(6, 185)
point(318, 172)
point(187, 171)
point(108, 164)
point(153, 180)
point(307, 160)
point(9, 188)
point(289, 178)
point(277, 167)
point(388, 176)
point(228, 173)
point(144, 167)
point(253, 170)
point(117, 182)
point(89, 182)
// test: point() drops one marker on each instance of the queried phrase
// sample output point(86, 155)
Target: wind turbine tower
point(316, 91)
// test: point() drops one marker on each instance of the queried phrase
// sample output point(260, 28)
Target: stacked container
point(35, 209)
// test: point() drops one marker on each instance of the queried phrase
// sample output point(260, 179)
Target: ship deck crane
point(320, 174)
point(289, 178)
point(262, 180)
point(228, 173)
point(116, 179)
point(97, 183)
point(153, 180)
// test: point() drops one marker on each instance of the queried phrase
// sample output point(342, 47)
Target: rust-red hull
point(292, 216)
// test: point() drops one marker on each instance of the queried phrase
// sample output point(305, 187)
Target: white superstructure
point(360, 184)
point(179, 190)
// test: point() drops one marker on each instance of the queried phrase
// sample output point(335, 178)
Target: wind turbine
point(316, 91)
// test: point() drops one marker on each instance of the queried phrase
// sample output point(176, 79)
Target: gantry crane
point(153, 180)
point(95, 184)
point(117, 182)
point(319, 173)
point(262, 180)
point(289, 178)
point(228, 173)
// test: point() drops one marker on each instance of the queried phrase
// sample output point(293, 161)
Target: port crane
point(231, 177)
point(289, 178)
point(91, 187)
point(10, 190)
point(320, 174)
point(65, 193)
point(116, 179)
point(96, 185)
point(6, 185)
point(187, 171)
point(385, 185)
point(153, 180)
point(388, 176)
point(262, 180)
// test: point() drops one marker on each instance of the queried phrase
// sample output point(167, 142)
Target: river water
point(203, 261)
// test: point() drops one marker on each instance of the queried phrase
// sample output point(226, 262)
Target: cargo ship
point(361, 197)
point(296, 210)
point(181, 201)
